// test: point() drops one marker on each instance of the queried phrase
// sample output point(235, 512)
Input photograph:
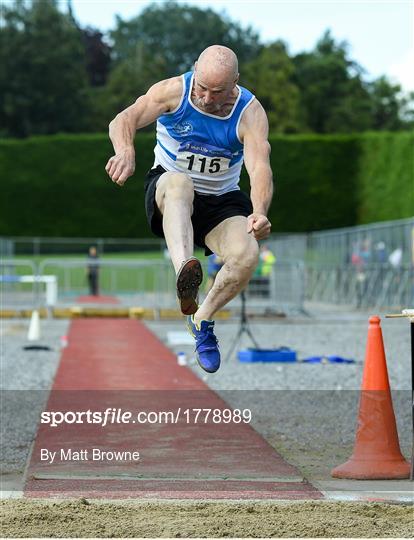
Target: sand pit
point(82, 518)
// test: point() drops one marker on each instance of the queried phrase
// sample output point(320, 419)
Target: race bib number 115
point(203, 158)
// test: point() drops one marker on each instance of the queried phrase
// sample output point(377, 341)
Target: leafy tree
point(98, 56)
point(269, 76)
point(128, 80)
point(333, 94)
point(178, 33)
point(42, 78)
point(56, 76)
point(391, 109)
point(406, 111)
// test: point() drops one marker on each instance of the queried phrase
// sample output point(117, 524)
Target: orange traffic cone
point(377, 453)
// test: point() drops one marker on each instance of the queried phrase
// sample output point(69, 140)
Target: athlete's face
point(211, 92)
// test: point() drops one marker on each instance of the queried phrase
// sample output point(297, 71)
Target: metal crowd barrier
point(16, 289)
point(376, 285)
point(150, 283)
point(282, 291)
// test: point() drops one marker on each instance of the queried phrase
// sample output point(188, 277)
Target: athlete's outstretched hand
point(259, 225)
point(121, 166)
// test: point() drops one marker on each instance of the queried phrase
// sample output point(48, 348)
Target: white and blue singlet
point(204, 146)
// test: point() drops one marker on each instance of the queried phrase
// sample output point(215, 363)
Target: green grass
point(155, 276)
point(147, 255)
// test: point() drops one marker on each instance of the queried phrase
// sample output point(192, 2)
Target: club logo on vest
point(185, 128)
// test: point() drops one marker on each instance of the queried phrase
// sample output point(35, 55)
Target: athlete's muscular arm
point(160, 98)
point(254, 131)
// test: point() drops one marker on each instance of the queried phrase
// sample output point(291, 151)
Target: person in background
point(260, 284)
point(93, 271)
point(213, 266)
point(381, 255)
point(360, 259)
point(395, 258)
point(267, 259)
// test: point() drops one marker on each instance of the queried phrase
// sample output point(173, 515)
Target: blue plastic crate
point(283, 354)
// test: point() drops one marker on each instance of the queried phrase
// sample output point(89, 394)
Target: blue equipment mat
point(328, 360)
point(283, 354)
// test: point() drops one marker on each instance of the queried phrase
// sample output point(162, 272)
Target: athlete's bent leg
point(174, 197)
point(240, 253)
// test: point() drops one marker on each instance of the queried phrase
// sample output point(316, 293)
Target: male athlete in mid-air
point(207, 125)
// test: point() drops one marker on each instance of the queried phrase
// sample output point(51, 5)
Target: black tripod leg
point(244, 327)
point(234, 343)
point(249, 333)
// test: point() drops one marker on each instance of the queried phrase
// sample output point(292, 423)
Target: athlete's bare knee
point(243, 258)
point(179, 185)
point(174, 185)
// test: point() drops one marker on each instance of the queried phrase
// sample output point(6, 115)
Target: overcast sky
point(380, 33)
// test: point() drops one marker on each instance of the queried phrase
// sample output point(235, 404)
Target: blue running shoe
point(207, 349)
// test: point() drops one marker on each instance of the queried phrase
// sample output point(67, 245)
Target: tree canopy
point(56, 76)
point(43, 80)
point(270, 77)
point(157, 27)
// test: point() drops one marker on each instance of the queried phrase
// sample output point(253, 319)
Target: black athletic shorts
point(208, 210)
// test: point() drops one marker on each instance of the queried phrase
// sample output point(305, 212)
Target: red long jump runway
point(120, 366)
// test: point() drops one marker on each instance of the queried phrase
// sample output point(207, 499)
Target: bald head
point(218, 62)
point(215, 79)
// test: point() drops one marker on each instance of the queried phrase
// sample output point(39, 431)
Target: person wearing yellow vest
point(267, 259)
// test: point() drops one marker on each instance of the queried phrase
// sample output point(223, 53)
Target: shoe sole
point(189, 280)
